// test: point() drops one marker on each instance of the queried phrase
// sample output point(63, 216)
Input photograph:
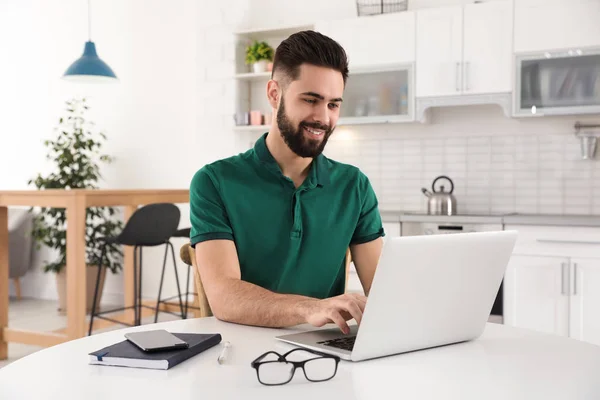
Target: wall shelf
point(252, 128)
point(269, 32)
point(251, 76)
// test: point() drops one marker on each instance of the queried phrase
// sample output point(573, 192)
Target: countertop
point(388, 215)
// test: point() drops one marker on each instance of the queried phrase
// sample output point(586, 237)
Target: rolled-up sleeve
point(369, 226)
point(208, 216)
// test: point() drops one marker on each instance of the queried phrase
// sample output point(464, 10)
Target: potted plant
point(259, 55)
point(75, 155)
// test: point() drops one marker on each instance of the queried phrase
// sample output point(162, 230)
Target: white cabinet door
point(536, 294)
point(391, 229)
point(375, 40)
point(585, 300)
point(556, 25)
point(439, 51)
point(487, 48)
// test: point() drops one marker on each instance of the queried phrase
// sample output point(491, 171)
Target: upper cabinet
point(464, 49)
point(556, 83)
point(379, 40)
point(548, 25)
point(381, 56)
point(487, 47)
point(557, 60)
point(439, 52)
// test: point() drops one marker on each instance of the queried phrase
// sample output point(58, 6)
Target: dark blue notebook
point(126, 354)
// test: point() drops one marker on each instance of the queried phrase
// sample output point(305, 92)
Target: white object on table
point(223, 356)
point(504, 363)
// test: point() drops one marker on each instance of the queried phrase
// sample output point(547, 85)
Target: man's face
point(307, 115)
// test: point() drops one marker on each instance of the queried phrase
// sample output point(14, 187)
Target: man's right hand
point(337, 309)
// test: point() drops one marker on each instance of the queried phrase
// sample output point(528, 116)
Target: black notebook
point(126, 354)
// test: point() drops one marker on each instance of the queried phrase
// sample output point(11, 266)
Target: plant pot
point(91, 274)
point(260, 66)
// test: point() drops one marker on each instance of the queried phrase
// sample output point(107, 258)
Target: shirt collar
point(319, 171)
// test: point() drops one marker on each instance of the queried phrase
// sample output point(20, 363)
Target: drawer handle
point(568, 241)
point(575, 279)
point(563, 281)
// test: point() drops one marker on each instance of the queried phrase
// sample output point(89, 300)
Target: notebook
point(126, 354)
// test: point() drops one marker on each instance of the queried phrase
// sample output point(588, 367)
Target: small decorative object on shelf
point(375, 7)
point(259, 55)
point(242, 118)
point(256, 117)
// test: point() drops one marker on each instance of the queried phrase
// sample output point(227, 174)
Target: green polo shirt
point(288, 239)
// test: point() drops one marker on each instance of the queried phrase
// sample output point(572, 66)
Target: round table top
point(504, 363)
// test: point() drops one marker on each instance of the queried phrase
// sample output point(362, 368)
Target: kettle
point(440, 202)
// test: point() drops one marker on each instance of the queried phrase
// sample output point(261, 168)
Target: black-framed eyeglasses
point(280, 371)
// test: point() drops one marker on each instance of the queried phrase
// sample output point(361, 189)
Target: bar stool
point(149, 226)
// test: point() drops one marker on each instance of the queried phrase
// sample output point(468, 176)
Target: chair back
point(151, 225)
point(188, 256)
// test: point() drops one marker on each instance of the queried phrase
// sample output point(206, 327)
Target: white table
point(505, 363)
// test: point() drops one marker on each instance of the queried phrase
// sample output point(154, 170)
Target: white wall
point(149, 116)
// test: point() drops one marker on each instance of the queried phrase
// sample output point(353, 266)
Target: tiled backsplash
point(498, 165)
point(524, 174)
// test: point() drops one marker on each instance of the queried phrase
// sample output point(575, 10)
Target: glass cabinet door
point(376, 96)
point(559, 83)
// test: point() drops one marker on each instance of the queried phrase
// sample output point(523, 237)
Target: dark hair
point(312, 48)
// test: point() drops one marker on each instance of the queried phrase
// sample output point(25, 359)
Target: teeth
point(314, 132)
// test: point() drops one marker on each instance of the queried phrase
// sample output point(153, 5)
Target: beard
point(295, 137)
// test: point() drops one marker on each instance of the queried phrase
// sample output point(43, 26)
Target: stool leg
point(162, 277)
point(187, 291)
point(177, 279)
point(135, 285)
point(17, 284)
point(140, 290)
point(96, 290)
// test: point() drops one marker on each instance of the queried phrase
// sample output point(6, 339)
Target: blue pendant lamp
point(89, 67)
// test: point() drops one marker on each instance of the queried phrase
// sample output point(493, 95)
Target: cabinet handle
point(457, 74)
point(563, 291)
point(574, 279)
point(568, 241)
point(467, 88)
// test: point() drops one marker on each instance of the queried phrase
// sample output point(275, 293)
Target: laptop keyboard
point(344, 343)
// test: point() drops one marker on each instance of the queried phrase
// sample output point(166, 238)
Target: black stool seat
point(183, 233)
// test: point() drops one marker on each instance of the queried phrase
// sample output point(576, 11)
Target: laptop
point(427, 291)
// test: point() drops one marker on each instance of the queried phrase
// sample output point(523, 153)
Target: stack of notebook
point(126, 354)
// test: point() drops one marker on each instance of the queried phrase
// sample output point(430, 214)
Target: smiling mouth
point(314, 132)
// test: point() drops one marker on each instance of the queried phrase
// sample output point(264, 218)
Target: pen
point(223, 355)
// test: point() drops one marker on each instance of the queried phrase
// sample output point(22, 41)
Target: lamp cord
point(89, 23)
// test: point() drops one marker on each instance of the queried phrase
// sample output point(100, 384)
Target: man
point(271, 226)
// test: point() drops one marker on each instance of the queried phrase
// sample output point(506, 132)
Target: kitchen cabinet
point(557, 83)
point(380, 86)
point(552, 282)
point(584, 310)
point(391, 229)
point(439, 51)
point(378, 95)
point(542, 25)
point(487, 48)
point(378, 40)
point(464, 49)
point(534, 296)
